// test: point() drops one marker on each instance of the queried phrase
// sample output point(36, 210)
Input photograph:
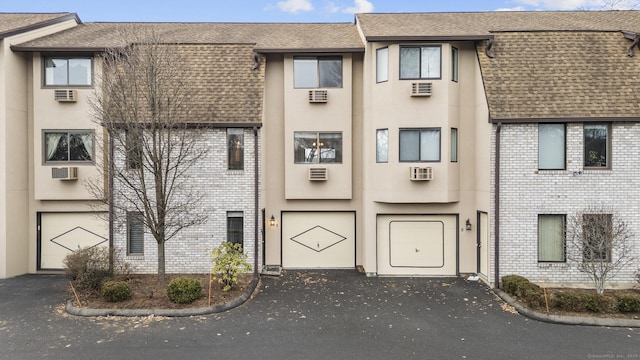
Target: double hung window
point(596, 146)
point(551, 238)
point(551, 146)
point(235, 143)
point(235, 227)
point(135, 233)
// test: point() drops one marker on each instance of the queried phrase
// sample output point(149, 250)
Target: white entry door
point(318, 240)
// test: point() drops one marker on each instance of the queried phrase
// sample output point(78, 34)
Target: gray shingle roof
point(559, 75)
point(266, 36)
point(11, 23)
point(377, 26)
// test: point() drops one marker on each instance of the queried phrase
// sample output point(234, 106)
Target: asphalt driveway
point(306, 315)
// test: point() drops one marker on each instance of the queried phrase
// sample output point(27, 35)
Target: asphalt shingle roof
point(266, 36)
point(15, 22)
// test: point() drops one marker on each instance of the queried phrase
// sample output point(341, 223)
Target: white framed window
point(317, 72)
point(382, 65)
point(311, 147)
point(420, 62)
point(551, 146)
point(551, 238)
point(63, 146)
point(68, 71)
point(597, 143)
point(420, 145)
point(135, 233)
point(235, 227)
point(382, 145)
point(235, 144)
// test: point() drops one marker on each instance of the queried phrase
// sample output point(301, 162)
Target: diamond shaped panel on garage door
point(78, 237)
point(318, 238)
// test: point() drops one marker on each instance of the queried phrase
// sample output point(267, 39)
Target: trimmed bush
point(230, 261)
point(581, 302)
point(524, 290)
point(183, 290)
point(114, 291)
point(628, 303)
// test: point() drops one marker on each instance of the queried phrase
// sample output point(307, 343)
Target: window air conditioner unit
point(421, 89)
point(318, 174)
point(65, 173)
point(66, 95)
point(318, 96)
point(420, 173)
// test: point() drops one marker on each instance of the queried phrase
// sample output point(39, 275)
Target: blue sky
point(282, 10)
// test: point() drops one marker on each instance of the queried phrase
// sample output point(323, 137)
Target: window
point(68, 146)
point(315, 72)
point(454, 145)
point(61, 70)
point(419, 145)
point(134, 150)
point(454, 64)
point(235, 142)
point(551, 238)
point(317, 147)
point(596, 144)
point(235, 228)
point(135, 233)
point(598, 236)
point(420, 62)
point(382, 65)
point(382, 145)
point(551, 146)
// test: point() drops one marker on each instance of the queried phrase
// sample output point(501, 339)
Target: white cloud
point(359, 6)
point(332, 8)
point(517, 8)
point(293, 6)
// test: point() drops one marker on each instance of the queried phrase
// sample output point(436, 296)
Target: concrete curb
point(566, 320)
point(73, 310)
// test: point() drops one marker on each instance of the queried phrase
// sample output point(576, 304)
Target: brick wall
point(526, 192)
point(224, 190)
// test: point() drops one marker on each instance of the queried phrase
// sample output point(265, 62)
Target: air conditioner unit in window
point(318, 96)
point(65, 173)
point(421, 89)
point(420, 173)
point(66, 95)
point(318, 174)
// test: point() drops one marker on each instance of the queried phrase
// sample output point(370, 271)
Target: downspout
point(110, 195)
point(497, 207)
point(256, 201)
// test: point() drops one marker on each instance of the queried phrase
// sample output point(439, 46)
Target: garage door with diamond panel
point(318, 240)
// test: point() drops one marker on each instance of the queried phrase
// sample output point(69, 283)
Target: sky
point(283, 10)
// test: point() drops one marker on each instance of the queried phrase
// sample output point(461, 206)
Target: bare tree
point(621, 5)
point(599, 242)
point(143, 104)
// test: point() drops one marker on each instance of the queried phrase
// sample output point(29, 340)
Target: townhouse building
point(425, 144)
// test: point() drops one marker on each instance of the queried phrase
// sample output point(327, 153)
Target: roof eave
point(429, 38)
point(308, 50)
point(56, 49)
point(71, 16)
point(573, 119)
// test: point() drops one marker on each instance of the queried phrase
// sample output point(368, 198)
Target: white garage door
point(318, 240)
point(417, 245)
point(63, 233)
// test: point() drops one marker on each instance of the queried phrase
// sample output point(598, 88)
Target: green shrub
point(114, 291)
point(230, 261)
point(88, 267)
point(523, 289)
point(628, 303)
point(183, 290)
point(581, 302)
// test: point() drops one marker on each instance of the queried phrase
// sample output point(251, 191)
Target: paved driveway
point(306, 315)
